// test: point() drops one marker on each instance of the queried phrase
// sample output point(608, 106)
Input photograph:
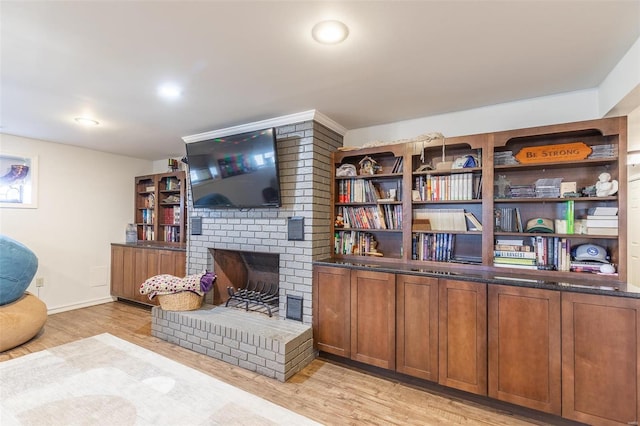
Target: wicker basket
point(181, 301)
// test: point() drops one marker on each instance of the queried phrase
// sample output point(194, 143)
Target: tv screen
point(238, 171)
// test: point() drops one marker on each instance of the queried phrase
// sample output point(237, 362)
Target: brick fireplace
point(304, 155)
point(276, 347)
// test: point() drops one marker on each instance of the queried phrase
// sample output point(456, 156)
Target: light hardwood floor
point(327, 392)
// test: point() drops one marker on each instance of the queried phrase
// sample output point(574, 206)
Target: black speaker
point(294, 307)
point(295, 228)
point(196, 225)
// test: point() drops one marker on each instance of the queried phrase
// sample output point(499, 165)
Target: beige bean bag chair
point(21, 320)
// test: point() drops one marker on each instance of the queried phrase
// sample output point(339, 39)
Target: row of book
point(433, 247)
point(381, 216)
point(172, 184)
point(508, 219)
point(148, 234)
point(457, 186)
point(172, 234)
point(354, 242)
point(171, 215)
point(534, 253)
point(364, 191)
point(397, 165)
point(148, 216)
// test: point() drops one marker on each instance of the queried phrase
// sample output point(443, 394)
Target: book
point(509, 247)
point(603, 217)
point(599, 211)
point(602, 231)
point(569, 216)
point(602, 223)
point(515, 261)
point(514, 254)
point(508, 265)
point(515, 242)
point(474, 220)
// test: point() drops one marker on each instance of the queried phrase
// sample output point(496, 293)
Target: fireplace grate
point(260, 294)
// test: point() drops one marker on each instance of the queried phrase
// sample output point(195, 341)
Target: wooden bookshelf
point(422, 188)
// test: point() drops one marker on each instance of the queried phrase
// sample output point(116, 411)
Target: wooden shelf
point(397, 244)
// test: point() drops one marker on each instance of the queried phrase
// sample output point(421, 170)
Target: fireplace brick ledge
point(271, 347)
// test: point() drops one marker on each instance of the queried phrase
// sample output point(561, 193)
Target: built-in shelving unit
point(160, 208)
point(443, 202)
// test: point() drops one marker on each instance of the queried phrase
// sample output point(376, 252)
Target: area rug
point(104, 380)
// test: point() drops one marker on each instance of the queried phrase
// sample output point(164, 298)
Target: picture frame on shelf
point(18, 181)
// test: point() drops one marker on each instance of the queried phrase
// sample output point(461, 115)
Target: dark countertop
point(156, 246)
point(614, 288)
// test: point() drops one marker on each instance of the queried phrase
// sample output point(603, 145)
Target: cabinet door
point(524, 347)
point(331, 310)
point(373, 314)
point(600, 359)
point(171, 262)
point(417, 326)
point(146, 266)
point(463, 336)
point(121, 269)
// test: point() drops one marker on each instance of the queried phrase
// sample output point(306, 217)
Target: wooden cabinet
point(600, 359)
point(373, 315)
point(332, 310)
point(463, 335)
point(571, 354)
point(524, 347)
point(132, 265)
point(160, 208)
point(463, 179)
point(417, 326)
point(354, 314)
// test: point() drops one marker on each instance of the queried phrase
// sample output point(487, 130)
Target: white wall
point(564, 108)
point(633, 191)
point(617, 94)
point(85, 200)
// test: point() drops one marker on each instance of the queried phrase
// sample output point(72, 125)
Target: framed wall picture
point(18, 181)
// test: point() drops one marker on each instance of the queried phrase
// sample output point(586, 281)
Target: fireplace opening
point(248, 280)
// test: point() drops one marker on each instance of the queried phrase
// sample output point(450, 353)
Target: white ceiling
point(244, 61)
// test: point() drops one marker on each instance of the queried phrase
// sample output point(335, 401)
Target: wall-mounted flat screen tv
point(238, 171)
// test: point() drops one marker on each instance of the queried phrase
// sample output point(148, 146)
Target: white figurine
point(605, 186)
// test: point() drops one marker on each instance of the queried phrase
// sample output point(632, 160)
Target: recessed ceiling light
point(169, 91)
point(329, 32)
point(86, 121)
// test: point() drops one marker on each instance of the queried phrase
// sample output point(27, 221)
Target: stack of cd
point(602, 151)
point(548, 188)
point(503, 158)
point(522, 191)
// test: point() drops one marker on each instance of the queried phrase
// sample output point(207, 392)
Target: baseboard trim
point(86, 304)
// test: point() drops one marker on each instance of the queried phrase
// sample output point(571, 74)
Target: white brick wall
point(304, 157)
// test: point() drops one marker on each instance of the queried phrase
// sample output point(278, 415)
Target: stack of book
point(602, 221)
point(512, 253)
